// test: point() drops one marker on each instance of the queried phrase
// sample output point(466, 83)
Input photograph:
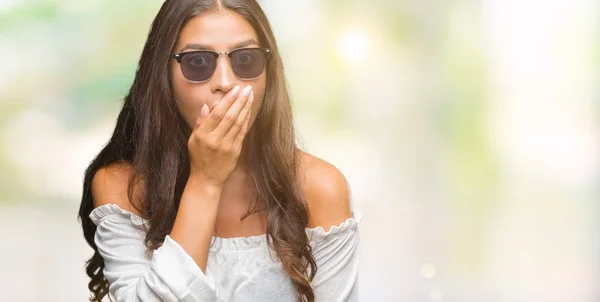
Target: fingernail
point(204, 111)
point(247, 90)
point(235, 90)
point(251, 98)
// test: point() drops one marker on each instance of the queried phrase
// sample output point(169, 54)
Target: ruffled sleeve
point(336, 255)
point(168, 274)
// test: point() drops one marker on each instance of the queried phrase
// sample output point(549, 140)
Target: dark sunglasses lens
point(248, 63)
point(198, 66)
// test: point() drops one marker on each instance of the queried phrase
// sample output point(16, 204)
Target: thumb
point(204, 112)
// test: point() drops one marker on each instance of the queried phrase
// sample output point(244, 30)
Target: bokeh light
point(354, 46)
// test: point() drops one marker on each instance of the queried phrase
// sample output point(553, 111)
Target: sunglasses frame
point(178, 56)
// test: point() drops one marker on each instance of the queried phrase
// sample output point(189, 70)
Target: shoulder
point(326, 191)
point(110, 185)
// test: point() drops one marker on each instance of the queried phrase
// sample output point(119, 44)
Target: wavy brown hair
point(151, 136)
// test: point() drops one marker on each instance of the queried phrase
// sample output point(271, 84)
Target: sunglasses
point(199, 66)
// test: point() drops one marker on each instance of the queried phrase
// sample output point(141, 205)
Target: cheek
point(258, 101)
point(188, 97)
point(255, 108)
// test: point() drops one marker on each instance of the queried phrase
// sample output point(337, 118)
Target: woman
point(201, 194)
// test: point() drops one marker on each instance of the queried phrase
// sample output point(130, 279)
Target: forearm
point(196, 218)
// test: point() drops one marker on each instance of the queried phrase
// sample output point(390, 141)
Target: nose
point(223, 79)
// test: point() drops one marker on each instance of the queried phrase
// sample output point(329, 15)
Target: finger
point(242, 134)
point(219, 110)
point(239, 122)
point(204, 112)
point(232, 113)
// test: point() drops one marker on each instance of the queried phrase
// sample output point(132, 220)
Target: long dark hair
point(151, 136)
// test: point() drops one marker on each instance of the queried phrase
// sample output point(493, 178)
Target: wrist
point(200, 184)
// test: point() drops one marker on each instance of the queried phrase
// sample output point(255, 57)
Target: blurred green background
point(468, 131)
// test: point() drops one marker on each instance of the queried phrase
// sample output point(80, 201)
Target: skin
point(221, 32)
point(215, 200)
